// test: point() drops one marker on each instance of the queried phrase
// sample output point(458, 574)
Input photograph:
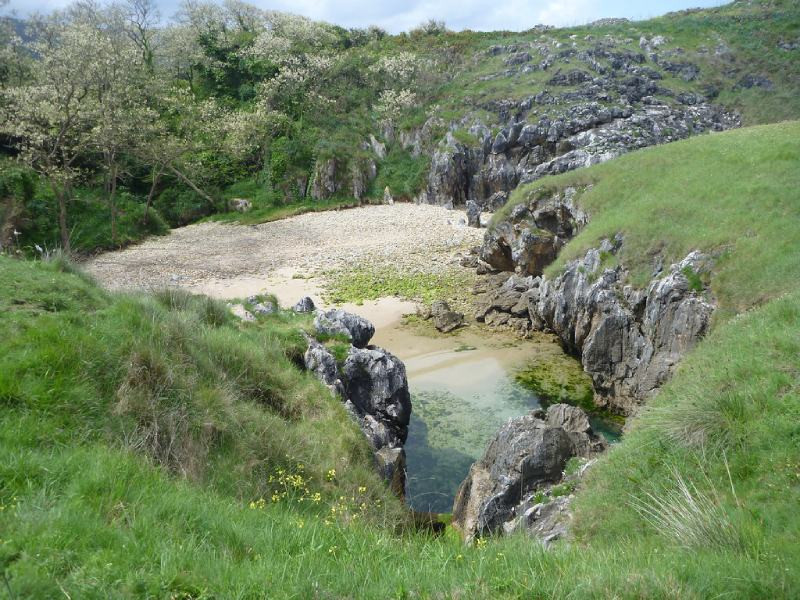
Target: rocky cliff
point(511, 485)
point(628, 339)
point(566, 106)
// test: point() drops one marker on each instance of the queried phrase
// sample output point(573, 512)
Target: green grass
point(138, 436)
point(727, 423)
point(402, 173)
point(367, 283)
point(738, 201)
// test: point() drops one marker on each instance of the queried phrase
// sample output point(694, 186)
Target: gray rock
point(392, 466)
point(241, 205)
point(261, 308)
point(304, 305)
point(357, 329)
point(375, 382)
point(530, 238)
point(240, 312)
point(473, 214)
point(527, 454)
point(324, 184)
point(377, 147)
point(387, 196)
point(518, 58)
point(751, 81)
point(321, 363)
point(444, 319)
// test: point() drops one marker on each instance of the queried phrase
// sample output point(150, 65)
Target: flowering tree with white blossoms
point(52, 116)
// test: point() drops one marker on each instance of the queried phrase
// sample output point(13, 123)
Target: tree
point(51, 117)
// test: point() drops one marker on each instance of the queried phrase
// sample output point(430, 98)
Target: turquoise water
point(460, 401)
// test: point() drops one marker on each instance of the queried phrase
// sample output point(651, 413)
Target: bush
point(402, 173)
point(180, 207)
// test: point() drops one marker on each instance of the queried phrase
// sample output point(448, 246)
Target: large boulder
point(375, 382)
point(533, 233)
point(473, 214)
point(356, 329)
point(527, 454)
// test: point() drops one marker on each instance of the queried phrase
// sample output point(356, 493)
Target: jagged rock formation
point(357, 329)
point(629, 340)
point(372, 383)
point(527, 455)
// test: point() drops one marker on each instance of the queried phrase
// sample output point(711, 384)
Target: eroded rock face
point(373, 386)
point(629, 340)
point(587, 133)
point(357, 329)
point(530, 238)
point(304, 305)
point(445, 319)
point(527, 454)
point(375, 382)
point(322, 363)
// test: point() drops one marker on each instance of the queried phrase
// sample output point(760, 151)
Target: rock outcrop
point(373, 385)
point(584, 134)
point(357, 330)
point(629, 340)
point(527, 455)
point(445, 319)
point(304, 305)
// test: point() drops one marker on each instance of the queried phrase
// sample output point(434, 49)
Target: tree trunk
point(188, 182)
point(156, 177)
point(112, 203)
point(61, 194)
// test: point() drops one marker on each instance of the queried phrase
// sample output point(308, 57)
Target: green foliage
point(716, 450)
point(88, 218)
point(694, 279)
point(402, 173)
point(182, 206)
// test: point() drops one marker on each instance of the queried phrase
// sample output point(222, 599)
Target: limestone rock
point(321, 363)
point(240, 312)
point(473, 214)
point(375, 382)
point(241, 205)
point(527, 453)
point(357, 329)
point(445, 319)
point(324, 183)
point(304, 305)
point(392, 466)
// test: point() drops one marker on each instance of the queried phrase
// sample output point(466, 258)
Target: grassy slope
point(738, 200)
point(96, 505)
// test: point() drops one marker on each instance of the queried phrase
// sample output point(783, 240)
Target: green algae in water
point(450, 430)
point(559, 379)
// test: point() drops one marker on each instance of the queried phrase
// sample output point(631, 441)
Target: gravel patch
point(405, 237)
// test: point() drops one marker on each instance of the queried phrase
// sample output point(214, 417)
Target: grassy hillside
point(732, 194)
point(150, 446)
